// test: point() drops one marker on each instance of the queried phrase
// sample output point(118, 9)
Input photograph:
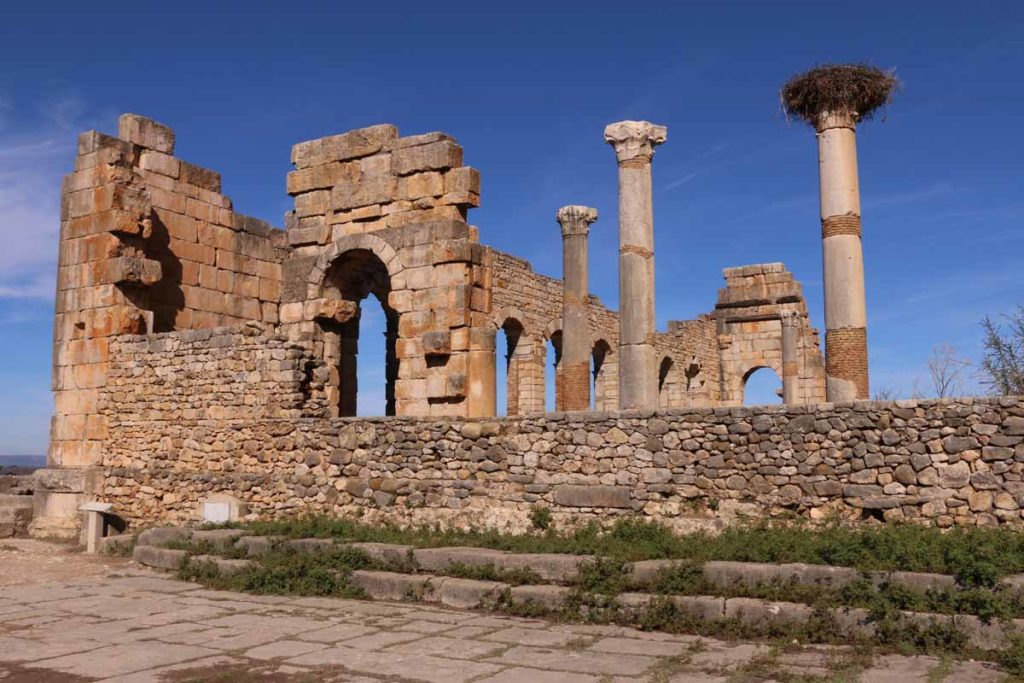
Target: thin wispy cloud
point(32, 162)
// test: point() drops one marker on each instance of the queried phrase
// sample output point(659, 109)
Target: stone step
point(564, 568)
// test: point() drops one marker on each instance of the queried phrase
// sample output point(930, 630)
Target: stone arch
point(771, 367)
point(524, 364)
point(365, 242)
point(553, 335)
point(352, 269)
point(605, 370)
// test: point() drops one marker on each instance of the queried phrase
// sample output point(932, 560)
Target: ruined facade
point(253, 322)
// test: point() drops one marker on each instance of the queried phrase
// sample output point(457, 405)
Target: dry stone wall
point(946, 462)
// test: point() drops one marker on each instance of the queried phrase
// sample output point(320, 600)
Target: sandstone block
point(392, 586)
point(146, 133)
point(162, 535)
point(350, 145)
point(364, 192)
point(468, 593)
point(437, 156)
point(549, 597)
point(161, 558)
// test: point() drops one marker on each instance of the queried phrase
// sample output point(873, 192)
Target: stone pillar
point(634, 143)
point(790, 356)
point(846, 345)
point(575, 375)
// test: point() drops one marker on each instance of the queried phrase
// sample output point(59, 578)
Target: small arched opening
point(666, 381)
point(761, 386)
point(509, 380)
point(602, 390)
point(360, 352)
point(552, 388)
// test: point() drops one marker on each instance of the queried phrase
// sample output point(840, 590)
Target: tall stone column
point(575, 370)
point(634, 143)
point(846, 339)
point(790, 356)
point(834, 98)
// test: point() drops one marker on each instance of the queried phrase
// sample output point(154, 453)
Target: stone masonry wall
point(528, 305)
point(941, 462)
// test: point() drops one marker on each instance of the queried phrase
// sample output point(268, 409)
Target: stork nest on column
point(858, 89)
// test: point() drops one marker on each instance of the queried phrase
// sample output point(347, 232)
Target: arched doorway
point(761, 386)
point(361, 387)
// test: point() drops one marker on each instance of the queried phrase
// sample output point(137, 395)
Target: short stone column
point(846, 339)
point(634, 143)
point(790, 356)
point(575, 365)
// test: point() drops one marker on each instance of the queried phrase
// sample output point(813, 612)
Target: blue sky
point(527, 89)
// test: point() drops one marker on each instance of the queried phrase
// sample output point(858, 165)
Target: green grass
point(686, 578)
point(289, 572)
point(976, 556)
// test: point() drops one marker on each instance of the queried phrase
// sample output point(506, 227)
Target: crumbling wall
point(748, 312)
point(385, 215)
point(944, 462)
point(147, 243)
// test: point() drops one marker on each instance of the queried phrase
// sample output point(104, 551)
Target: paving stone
point(162, 674)
point(381, 640)
point(427, 627)
point(115, 660)
point(333, 634)
point(468, 632)
point(530, 636)
point(416, 667)
point(633, 646)
point(27, 650)
point(580, 662)
point(439, 616)
point(283, 649)
point(459, 648)
point(523, 675)
point(726, 657)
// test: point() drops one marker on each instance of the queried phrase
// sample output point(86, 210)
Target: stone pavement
point(121, 624)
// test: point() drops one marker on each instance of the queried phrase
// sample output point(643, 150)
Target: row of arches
point(363, 362)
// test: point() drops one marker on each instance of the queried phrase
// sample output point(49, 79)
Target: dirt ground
point(26, 561)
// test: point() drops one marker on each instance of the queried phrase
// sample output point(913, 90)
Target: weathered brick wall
point(529, 304)
point(942, 462)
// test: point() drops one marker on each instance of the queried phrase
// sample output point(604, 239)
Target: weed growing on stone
point(517, 576)
point(285, 572)
point(977, 556)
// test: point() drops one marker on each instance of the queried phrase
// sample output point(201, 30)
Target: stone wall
point(942, 462)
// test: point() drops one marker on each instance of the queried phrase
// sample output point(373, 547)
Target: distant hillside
point(22, 462)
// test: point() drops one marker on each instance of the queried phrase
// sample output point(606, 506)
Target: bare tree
point(1003, 363)
point(946, 371)
point(885, 393)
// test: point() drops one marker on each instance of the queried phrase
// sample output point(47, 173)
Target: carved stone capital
point(634, 139)
point(790, 318)
point(575, 219)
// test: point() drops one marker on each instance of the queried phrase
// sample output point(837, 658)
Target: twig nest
point(855, 89)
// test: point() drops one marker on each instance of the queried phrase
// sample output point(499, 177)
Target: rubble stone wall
point(945, 462)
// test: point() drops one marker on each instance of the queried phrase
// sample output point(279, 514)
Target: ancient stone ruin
point(203, 354)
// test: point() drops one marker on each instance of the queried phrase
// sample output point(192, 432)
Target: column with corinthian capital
point(575, 363)
point(634, 143)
